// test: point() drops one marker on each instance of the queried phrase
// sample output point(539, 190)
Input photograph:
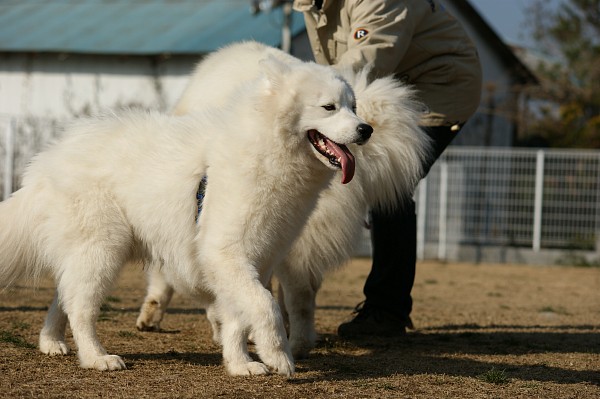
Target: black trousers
point(394, 244)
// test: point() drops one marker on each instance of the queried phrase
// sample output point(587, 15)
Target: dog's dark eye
point(329, 107)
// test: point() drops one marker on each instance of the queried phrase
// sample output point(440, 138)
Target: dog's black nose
point(364, 132)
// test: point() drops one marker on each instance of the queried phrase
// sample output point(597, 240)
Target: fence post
point(443, 210)
point(421, 218)
point(538, 200)
point(9, 159)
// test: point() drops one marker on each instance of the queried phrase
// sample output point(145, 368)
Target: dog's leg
point(52, 337)
point(156, 302)
point(245, 306)
point(215, 324)
point(243, 315)
point(299, 290)
point(269, 336)
point(236, 359)
point(82, 287)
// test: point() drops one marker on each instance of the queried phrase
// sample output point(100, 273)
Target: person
point(421, 44)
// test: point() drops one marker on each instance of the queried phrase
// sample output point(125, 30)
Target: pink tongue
point(346, 159)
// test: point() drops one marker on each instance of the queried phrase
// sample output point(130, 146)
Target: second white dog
point(388, 168)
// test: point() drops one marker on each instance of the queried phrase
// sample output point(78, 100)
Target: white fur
point(387, 168)
point(122, 188)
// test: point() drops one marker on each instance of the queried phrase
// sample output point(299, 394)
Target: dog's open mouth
point(337, 154)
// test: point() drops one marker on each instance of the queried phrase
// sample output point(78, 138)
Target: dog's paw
point(105, 363)
point(279, 362)
point(146, 321)
point(247, 368)
point(53, 347)
point(144, 325)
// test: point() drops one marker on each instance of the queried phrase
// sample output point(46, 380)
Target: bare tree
point(569, 37)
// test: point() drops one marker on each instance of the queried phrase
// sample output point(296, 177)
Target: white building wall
point(63, 87)
point(39, 93)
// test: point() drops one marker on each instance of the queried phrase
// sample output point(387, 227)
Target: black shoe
point(374, 321)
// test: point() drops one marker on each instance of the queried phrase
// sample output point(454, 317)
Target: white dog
point(121, 188)
point(388, 168)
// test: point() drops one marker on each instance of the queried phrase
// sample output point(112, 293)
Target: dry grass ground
point(483, 331)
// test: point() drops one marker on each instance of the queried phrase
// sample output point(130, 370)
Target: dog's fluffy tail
point(17, 254)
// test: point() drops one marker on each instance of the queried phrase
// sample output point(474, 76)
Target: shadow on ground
point(445, 351)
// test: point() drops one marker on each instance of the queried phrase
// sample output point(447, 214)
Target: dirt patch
point(483, 331)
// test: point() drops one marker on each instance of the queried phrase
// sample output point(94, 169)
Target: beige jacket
point(416, 40)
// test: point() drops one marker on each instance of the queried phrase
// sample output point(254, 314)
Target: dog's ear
point(274, 70)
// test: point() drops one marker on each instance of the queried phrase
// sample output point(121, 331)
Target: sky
point(508, 18)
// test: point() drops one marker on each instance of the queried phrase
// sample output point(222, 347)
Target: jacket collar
point(303, 5)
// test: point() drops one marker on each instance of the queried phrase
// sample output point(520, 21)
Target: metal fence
point(533, 201)
point(476, 204)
